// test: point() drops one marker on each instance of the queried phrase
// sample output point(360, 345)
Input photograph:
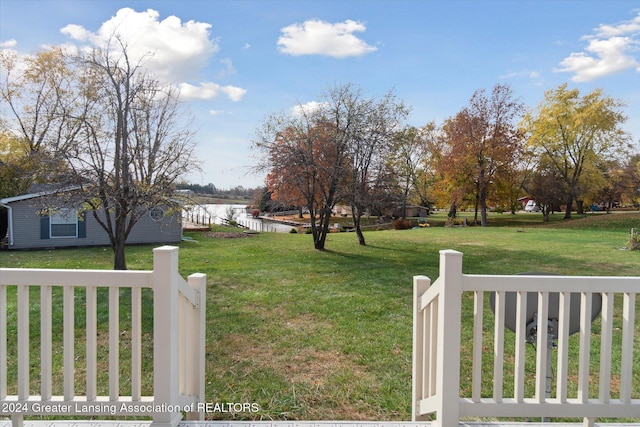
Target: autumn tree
point(481, 140)
point(285, 190)
point(547, 188)
point(511, 179)
point(17, 168)
point(304, 160)
point(610, 183)
point(427, 175)
point(573, 133)
point(367, 127)
point(329, 151)
point(412, 159)
point(39, 103)
point(631, 180)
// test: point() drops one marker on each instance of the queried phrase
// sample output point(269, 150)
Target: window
point(156, 214)
point(64, 223)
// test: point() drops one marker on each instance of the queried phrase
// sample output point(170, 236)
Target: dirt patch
point(308, 370)
point(305, 365)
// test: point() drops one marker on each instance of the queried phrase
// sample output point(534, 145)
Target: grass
point(327, 335)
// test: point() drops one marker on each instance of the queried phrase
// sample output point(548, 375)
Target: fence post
point(165, 334)
point(448, 352)
point(420, 286)
point(198, 282)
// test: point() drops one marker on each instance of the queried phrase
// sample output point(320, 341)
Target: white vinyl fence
point(604, 385)
point(178, 334)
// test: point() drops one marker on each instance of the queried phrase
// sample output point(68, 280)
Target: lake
point(219, 213)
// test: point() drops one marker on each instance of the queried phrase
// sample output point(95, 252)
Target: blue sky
point(238, 61)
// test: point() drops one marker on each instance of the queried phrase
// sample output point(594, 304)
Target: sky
point(236, 62)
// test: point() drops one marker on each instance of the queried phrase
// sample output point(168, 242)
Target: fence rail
point(437, 349)
point(178, 334)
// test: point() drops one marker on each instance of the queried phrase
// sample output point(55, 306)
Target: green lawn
point(327, 335)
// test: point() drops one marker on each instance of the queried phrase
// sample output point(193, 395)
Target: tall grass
point(311, 334)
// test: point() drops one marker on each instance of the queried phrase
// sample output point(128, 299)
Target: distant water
point(218, 213)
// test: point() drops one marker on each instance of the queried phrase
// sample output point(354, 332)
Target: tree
point(39, 102)
point(327, 152)
point(16, 167)
point(481, 141)
point(133, 146)
point(303, 160)
point(367, 126)
point(511, 179)
point(117, 132)
point(411, 161)
point(574, 132)
point(426, 176)
point(547, 189)
point(631, 180)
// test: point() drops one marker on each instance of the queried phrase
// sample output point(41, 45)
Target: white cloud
point(209, 90)
point(228, 68)
point(626, 27)
point(233, 92)
point(78, 32)
point(610, 50)
point(308, 108)
point(174, 51)
point(533, 76)
point(8, 44)
point(315, 37)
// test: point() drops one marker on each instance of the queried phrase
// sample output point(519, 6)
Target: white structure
point(437, 348)
point(178, 342)
point(179, 347)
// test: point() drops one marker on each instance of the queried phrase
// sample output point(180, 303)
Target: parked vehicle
point(531, 206)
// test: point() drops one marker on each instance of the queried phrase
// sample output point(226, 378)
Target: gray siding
point(26, 230)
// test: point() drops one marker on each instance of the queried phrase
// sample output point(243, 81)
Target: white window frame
point(65, 216)
point(157, 214)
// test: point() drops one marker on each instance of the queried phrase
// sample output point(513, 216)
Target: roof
point(33, 195)
point(22, 197)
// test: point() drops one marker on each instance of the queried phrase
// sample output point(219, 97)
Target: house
point(524, 200)
point(406, 211)
point(28, 228)
point(397, 211)
point(342, 210)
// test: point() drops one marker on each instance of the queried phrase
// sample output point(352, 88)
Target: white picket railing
point(178, 343)
point(437, 349)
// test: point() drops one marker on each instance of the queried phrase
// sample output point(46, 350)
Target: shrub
point(456, 222)
point(634, 240)
point(402, 224)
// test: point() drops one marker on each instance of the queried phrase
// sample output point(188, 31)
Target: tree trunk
point(119, 260)
point(119, 239)
point(476, 207)
point(567, 212)
point(356, 215)
point(320, 231)
point(318, 242)
point(483, 206)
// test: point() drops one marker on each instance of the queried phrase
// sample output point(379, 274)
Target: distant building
point(407, 211)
